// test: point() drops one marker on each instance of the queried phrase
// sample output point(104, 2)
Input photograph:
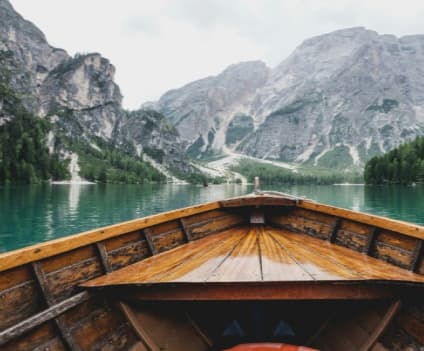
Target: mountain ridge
point(79, 98)
point(347, 96)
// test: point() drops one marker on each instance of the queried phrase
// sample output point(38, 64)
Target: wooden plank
point(153, 268)
point(338, 261)
point(18, 303)
point(277, 264)
point(303, 249)
point(390, 313)
point(373, 233)
point(149, 241)
point(36, 252)
point(42, 283)
point(104, 257)
point(50, 301)
point(39, 318)
point(243, 264)
point(120, 338)
point(258, 201)
point(334, 229)
point(409, 229)
point(415, 260)
point(215, 225)
point(260, 291)
point(185, 229)
point(138, 328)
point(201, 266)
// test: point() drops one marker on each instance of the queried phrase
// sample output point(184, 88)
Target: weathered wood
point(50, 301)
point(373, 233)
point(149, 241)
point(64, 282)
point(215, 225)
point(104, 257)
point(92, 330)
point(262, 255)
point(258, 201)
point(409, 229)
point(18, 303)
point(39, 318)
point(33, 338)
point(185, 229)
point(131, 253)
point(334, 229)
point(120, 339)
point(42, 283)
point(415, 260)
point(138, 328)
point(385, 321)
point(37, 252)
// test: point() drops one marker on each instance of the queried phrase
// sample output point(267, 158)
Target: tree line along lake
point(31, 214)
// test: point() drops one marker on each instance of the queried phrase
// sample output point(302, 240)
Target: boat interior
point(260, 268)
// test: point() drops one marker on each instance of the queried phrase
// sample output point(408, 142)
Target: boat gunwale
point(28, 254)
point(25, 255)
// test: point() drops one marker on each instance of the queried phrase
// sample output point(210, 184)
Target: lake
point(31, 214)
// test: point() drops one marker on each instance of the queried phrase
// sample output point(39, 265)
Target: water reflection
point(31, 214)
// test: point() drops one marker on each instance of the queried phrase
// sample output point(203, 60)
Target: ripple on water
point(36, 213)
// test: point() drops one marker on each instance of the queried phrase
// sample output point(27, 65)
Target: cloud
point(163, 44)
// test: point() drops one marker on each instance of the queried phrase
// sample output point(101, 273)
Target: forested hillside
point(403, 165)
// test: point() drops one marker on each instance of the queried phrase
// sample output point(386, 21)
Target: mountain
point(202, 110)
point(79, 99)
point(336, 101)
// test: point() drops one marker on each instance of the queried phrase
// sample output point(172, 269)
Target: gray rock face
point(84, 85)
point(348, 95)
point(77, 94)
point(151, 133)
point(203, 109)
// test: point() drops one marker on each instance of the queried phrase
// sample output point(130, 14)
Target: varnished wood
point(415, 231)
point(149, 344)
point(198, 257)
point(261, 291)
point(39, 318)
point(37, 252)
point(260, 255)
point(385, 321)
point(261, 200)
point(169, 263)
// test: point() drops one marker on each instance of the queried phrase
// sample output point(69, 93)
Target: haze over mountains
point(80, 99)
point(337, 100)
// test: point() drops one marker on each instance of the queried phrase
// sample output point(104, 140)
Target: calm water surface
point(33, 214)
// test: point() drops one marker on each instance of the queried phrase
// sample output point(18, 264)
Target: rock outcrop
point(77, 95)
point(338, 99)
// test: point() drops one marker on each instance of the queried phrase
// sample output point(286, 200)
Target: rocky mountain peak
point(337, 100)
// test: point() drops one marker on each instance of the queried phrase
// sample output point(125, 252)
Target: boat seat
point(269, 347)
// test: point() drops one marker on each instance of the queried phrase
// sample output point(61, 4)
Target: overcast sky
point(157, 45)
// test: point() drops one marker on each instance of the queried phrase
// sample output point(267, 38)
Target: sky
point(158, 45)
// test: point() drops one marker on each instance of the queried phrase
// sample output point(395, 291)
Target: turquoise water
point(37, 213)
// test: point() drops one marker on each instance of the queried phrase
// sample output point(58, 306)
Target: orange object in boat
point(269, 347)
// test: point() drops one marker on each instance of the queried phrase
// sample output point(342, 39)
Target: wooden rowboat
point(259, 268)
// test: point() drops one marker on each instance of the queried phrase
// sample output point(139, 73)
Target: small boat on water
point(257, 272)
